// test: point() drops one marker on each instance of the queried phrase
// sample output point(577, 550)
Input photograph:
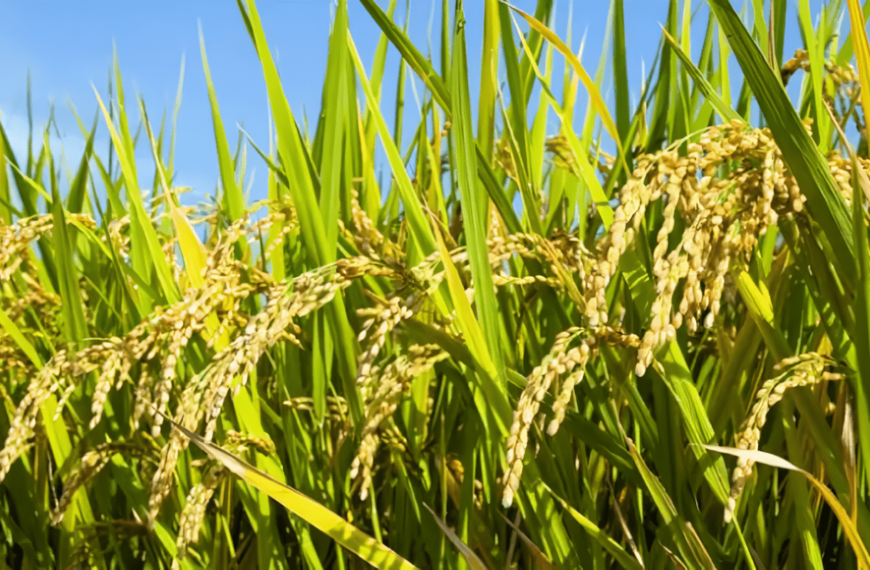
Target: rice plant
point(644, 343)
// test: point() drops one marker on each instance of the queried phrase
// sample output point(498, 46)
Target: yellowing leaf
point(862, 50)
point(774, 461)
point(594, 95)
point(305, 508)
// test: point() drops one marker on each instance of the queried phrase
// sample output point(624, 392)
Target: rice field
point(640, 343)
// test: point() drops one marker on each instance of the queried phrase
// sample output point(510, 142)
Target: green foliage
point(657, 359)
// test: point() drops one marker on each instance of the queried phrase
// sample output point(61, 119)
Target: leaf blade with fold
point(724, 110)
point(474, 561)
point(842, 515)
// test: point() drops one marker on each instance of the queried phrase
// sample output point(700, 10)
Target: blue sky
point(67, 46)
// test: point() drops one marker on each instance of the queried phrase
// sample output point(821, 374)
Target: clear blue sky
point(67, 46)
